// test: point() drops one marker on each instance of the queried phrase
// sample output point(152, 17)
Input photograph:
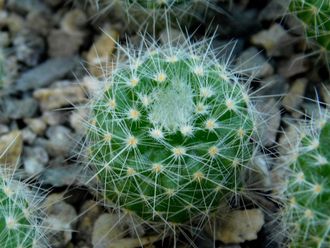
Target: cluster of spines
point(20, 213)
point(315, 15)
point(170, 134)
point(307, 212)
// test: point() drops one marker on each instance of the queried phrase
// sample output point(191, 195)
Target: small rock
point(101, 51)
point(46, 73)
point(297, 64)
point(12, 21)
point(29, 47)
point(77, 120)
point(35, 159)
point(53, 118)
point(275, 40)
point(267, 130)
point(252, 62)
point(110, 230)
point(4, 39)
point(54, 98)
point(27, 6)
point(62, 44)
point(294, 98)
point(275, 86)
point(37, 125)
point(28, 136)
point(73, 22)
point(275, 9)
point(18, 108)
point(54, 3)
point(3, 129)
point(325, 93)
point(89, 213)
point(60, 221)
point(44, 22)
point(11, 146)
point(61, 176)
point(239, 226)
point(60, 141)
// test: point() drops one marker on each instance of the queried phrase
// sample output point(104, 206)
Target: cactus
point(315, 15)
point(156, 12)
point(170, 133)
point(19, 214)
point(307, 214)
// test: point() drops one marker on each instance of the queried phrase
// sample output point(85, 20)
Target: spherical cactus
point(170, 133)
point(315, 14)
point(142, 14)
point(307, 214)
point(19, 214)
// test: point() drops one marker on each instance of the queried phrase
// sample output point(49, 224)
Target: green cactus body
point(315, 15)
point(308, 188)
point(169, 135)
point(18, 223)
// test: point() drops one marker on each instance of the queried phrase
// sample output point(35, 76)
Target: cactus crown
point(169, 134)
point(315, 14)
point(19, 214)
point(308, 189)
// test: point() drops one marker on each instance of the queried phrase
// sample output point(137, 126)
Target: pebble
point(27, 6)
point(28, 136)
point(53, 118)
point(275, 86)
point(252, 62)
point(89, 213)
point(239, 226)
point(35, 160)
point(77, 118)
point(294, 98)
point(275, 9)
point(101, 51)
point(297, 64)
point(3, 129)
point(11, 146)
point(61, 176)
point(271, 114)
point(60, 221)
point(4, 39)
point(29, 47)
point(37, 125)
point(44, 23)
point(110, 230)
point(46, 73)
point(62, 44)
point(54, 98)
point(13, 22)
point(275, 40)
point(18, 108)
point(74, 22)
point(59, 141)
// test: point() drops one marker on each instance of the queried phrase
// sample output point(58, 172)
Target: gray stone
point(34, 160)
point(268, 126)
point(59, 141)
point(275, 9)
point(37, 125)
point(28, 136)
point(252, 62)
point(46, 73)
point(275, 86)
point(44, 22)
point(294, 98)
point(4, 39)
point(25, 6)
point(60, 175)
point(18, 108)
point(3, 129)
point(11, 145)
point(63, 44)
point(297, 64)
point(29, 47)
point(275, 40)
point(60, 221)
point(53, 118)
